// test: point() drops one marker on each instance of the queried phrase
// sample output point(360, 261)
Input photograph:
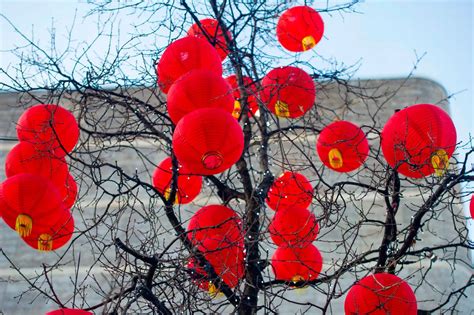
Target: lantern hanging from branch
point(419, 140)
point(297, 263)
point(381, 293)
point(293, 227)
point(213, 220)
point(342, 146)
point(69, 311)
point(288, 92)
point(184, 55)
point(210, 30)
point(50, 128)
point(251, 95)
point(199, 88)
point(29, 200)
point(208, 141)
point(300, 28)
point(290, 189)
point(187, 188)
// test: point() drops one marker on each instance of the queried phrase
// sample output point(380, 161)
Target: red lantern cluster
point(188, 186)
point(39, 191)
point(288, 92)
point(69, 311)
point(419, 140)
point(300, 28)
point(251, 95)
point(210, 30)
point(290, 189)
point(381, 293)
point(342, 146)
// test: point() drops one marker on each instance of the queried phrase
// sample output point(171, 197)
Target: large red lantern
point(52, 236)
point(419, 140)
point(342, 146)
point(69, 311)
point(49, 128)
point(297, 263)
point(187, 188)
point(208, 141)
point(29, 200)
point(293, 227)
point(196, 89)
point(288, 92)
point(251, 93)
point(183, 55)
point(300, 28)
point(290, 189)
point(212, 32)
point(379, 294)
point(214, 220)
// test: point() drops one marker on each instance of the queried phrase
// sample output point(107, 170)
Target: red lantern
point(188, 186)
point(69, 311)
point(208, 141)
point(419, 140)
point(49, 128)
point(297, 263)
point(300, 28)
point(196, 89)
point(212, 33)
point(381, 293)
point(212, 221)
point(251, 92)
point(471, 207)
point(52, 236)
point(291, 189)
point(293, 227)
point(342, 146)
point(29, 200)
point(183, 55)
point(288, 92)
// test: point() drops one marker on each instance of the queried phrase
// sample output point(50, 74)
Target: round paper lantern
point(213, 220)
point(188, 186)
point(208, 141)
point(251, 93)
point(183, 55)
point(342, 146)
point(299, 28)
point(297, 264)
point(379, 294)
point(53, 236)
point(196, 89)
point(49, 128)
point(293, 227)
point(212, 33)
point(290, 189)
point(288, 92)
point(69, 311)
point(29, 200)
point(419, 140)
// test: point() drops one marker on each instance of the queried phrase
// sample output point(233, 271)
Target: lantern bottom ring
point(212, 160)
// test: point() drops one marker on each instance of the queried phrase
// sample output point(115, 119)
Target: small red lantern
point(188, 186)
point(196, 89)
point(419, 140)
point(297, 263)
point(288, 92)
point(342, 146)
point(290, 189)
point(213, 220)
point(300, 28)
point(29, 200)
point(52, 236)
point(379, 294)
point(293, 227)
point(183, 55)
point(208, 141)
point(49, 128)
point(471, 207)
point(212, 33)
point(251, 93)
point(69, 311)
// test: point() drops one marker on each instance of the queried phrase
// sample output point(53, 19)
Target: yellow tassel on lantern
point(308, 42)
point(335, 158)
point(297, 279)
point(440, 162)
point(237, 110)
point(45, 242)
point(23, 225)
point(168, 193)
point(281, 109)
point(213, 291)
